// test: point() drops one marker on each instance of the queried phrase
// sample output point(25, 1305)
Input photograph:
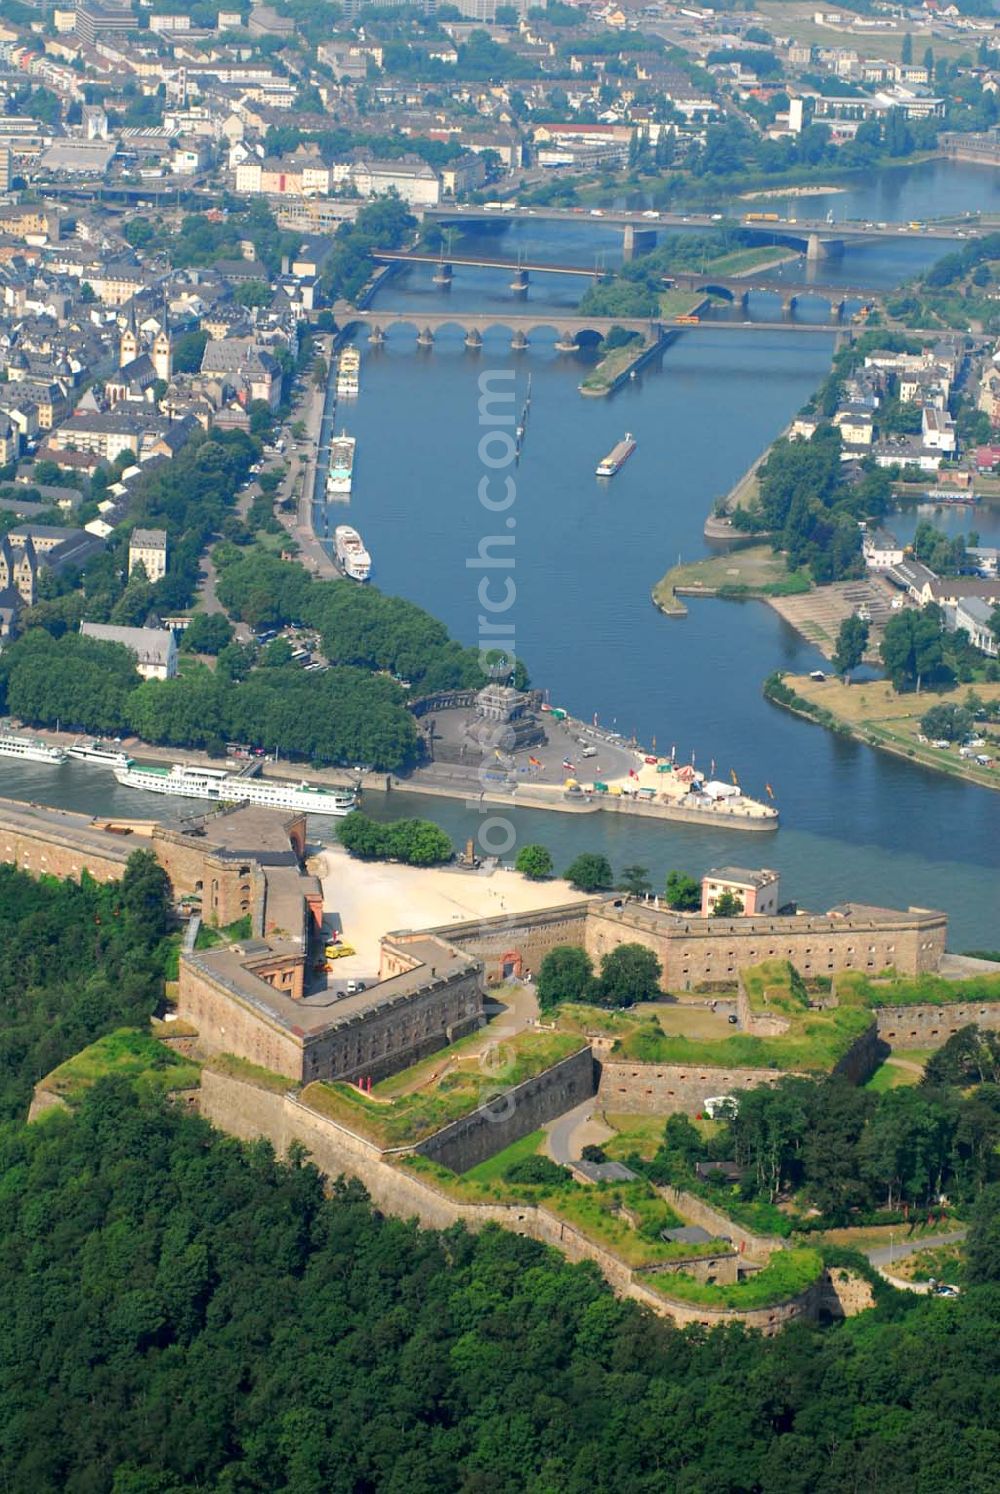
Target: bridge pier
point(425, 339)
point(637, 241)
point(837, 309)
point(376, 337)
point(443, 275)
point(519, 284)
point(820, 248)
point(518, 343)
point(744, 302)
point(474, 340)
point(789, 303)
point(567, 343)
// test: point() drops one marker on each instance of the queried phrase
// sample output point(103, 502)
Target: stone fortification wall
point(379, 1041)
point(932, 1026)
point(514, 1113)
point(383, 1039)
point(62, 845)
point(246, 1111)
point(720, 1226)
point(228, 1025)
point(228, 888)
point(862, 1058)
point(696, 950)
point(519, 941)
point(666, 1088)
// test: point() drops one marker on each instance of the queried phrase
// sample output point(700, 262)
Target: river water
point(855, 823)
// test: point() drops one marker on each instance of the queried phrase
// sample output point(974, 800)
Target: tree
point(537, 1170)
point(207, 633)
point(852, 640)
point(727, 905)
point(629, 974)
point(911, 647)
point(950, 722)
point(566, 974)
point(683, 893)
point(590, 872)
point(535, 863)
point(982, 1244)
point(635, 880)
point(145, 893)
point(906, 51)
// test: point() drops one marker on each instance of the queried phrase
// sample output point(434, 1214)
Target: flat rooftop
point(324, 1010)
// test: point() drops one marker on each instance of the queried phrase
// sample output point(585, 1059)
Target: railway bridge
point(734, 288)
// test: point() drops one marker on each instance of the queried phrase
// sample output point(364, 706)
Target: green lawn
point(493, 1168)
point(455, 1081)
point(128, 1052)
point(788, 1273)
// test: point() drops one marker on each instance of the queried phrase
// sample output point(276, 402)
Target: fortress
point(252, 998)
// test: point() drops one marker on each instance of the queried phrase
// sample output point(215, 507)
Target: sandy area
point(806, 191)
point(367, 899)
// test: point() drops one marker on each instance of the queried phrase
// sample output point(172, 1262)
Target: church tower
point(128, 346)
point(163, 349)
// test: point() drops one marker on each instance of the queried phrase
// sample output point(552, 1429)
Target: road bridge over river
point(817, 238)
point(732, 287)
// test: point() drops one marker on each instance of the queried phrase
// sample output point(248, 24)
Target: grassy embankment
point(624, 1218)
point(412, 1105)
point(815, 1039)
point(874, 713)
point(127, 1052)
point(754, 572)
point(787, 1274)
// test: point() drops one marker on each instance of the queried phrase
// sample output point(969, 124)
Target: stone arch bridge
point(569, 331)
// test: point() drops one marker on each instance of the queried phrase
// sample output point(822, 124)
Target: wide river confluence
point(855, 823)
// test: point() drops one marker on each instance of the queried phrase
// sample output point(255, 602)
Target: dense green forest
point(183, 1313)
point(842, 1150)
point(76, 960)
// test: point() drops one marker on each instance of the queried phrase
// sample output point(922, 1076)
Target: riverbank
point(752, 572)
point(875, 714)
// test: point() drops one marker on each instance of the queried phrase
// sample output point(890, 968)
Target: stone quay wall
point(932, 1026)
point(246, 1111)
point(668, 1088)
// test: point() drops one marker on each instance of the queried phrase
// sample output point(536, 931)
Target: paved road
point(561, 1148)
point(886, 1255)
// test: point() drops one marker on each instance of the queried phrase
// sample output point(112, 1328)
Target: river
point(855, 823)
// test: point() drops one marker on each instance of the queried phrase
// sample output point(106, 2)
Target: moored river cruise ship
point(30, 749)
point(191, 782)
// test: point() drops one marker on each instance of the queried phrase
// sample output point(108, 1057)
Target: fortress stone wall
point(514, 1113)
point(628, 1088)
point(932, 1026)
point(696, 951)
point(248, 1112)
point(515, 944)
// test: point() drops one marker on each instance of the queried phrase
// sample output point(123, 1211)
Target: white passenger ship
point(90, 750)
point(340, 476)
point(227, 788)
point(349, 374)
point(29, 748)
